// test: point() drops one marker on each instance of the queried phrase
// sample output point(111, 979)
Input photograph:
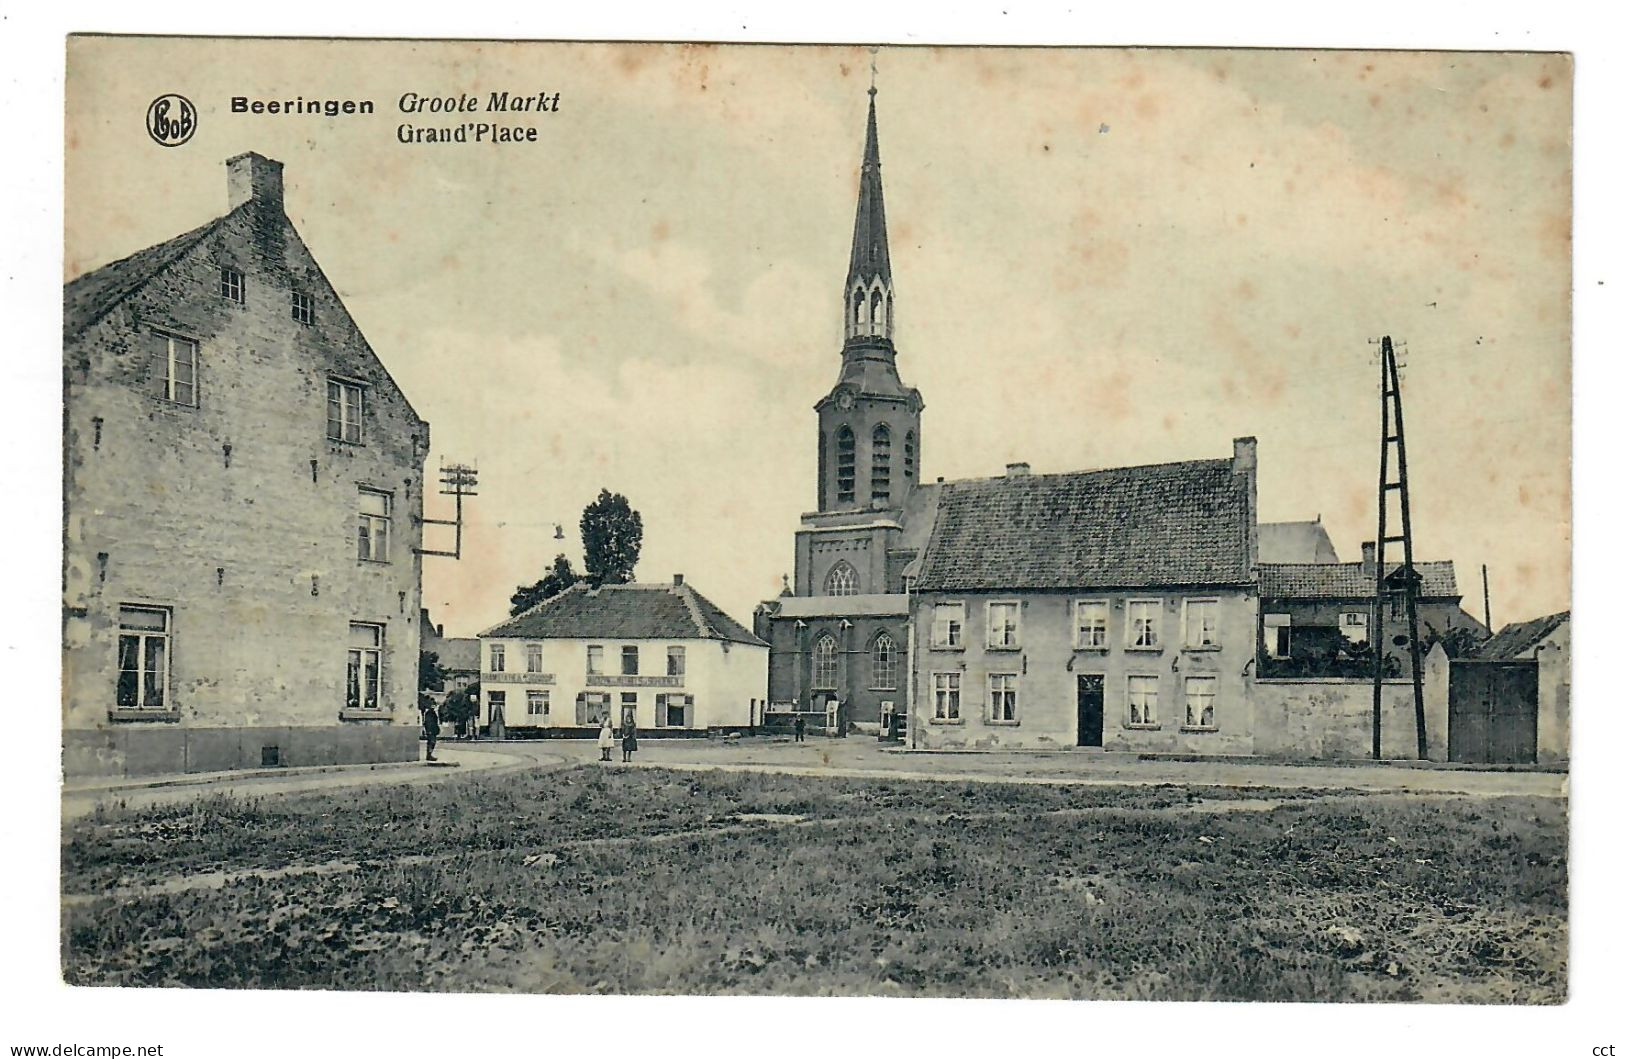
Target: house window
point(883, 662)
point(533, 658)
point(373, 529)
point(1001, 698)
point(595, 659)
point(908, 456)
point(676, 661)
point(499, 658)
point(232, 286)
point(304, 308)
point(674, 711)
point(180, 370)
point(846, 466)
point(1003, 625)
point(143, 658)
point(1090, 620)
point(629, 709)
point(498, 702)
point(824, 662)
point(1144, 617)
point(945, 696)
point(1142, 701)
point(344, 411)
point(1201, 623)
point(366, 666)
point(591, 708)
point(536, 703)
point(1353, 625)
point(880, 463)
point(1278, 635)
point(629, 661)
point(948, 625)
point(1200, 695)
point(841, 581)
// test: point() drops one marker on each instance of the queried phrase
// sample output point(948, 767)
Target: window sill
point(1204, 649)
point(372, 562)
point(1198, 728)
point(948, 647)
point(1157, 650)
point(1143, 727)
point(1101, 650)
point(1002, 724)
point(891, 688)
point(946, 720)
point(124, 716)
point(365, 715)
point(1008, 648)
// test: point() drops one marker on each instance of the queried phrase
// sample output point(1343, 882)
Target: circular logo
point(171, 120)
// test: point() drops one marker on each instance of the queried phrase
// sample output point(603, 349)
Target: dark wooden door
point(1091, 708)
point(1493, 711)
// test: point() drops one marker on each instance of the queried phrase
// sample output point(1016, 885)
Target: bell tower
point(869, 422)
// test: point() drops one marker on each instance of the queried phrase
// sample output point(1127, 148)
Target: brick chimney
point(1244, 462)
point(1368, 558)
point(677, 580)
point(1017, 470)
point(253, 177)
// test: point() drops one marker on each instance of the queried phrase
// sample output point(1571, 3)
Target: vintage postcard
point(1076, 523)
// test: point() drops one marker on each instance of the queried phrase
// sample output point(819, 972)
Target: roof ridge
point(172, 250)
point(686, 594)
point(1077, 474)
point(530, 610)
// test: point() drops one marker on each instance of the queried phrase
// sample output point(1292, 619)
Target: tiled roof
point(457, 653)
point(637, 611)
point(1346, 580)
point(1164, 524)
point(1516, 639)
point(1295, 542)
point(92, 295)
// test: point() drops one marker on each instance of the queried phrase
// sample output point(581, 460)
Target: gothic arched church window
point(880, 465)
point(846, 467)
point(883, 659)
point(824, 658)
point(842, 580)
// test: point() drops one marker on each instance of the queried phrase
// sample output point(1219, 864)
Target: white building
point(661, 656)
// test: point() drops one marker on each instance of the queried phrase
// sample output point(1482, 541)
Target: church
point(839, 632)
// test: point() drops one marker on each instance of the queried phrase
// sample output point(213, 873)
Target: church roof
point(1164, 524)
point(870, 255)
point(637, 611)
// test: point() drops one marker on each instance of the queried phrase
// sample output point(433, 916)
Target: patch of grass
point(641, 881)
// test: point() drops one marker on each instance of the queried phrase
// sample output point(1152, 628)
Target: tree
point(560, 576)
point(461, 705)
point(431, 675)
point(611, 537)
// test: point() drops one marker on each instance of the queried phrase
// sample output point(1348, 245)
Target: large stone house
point(660, 657)
point(839, 636)
point(1109, 609)
point(243, 487)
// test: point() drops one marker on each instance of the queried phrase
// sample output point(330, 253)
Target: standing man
point(431, 728)
point(801, 728)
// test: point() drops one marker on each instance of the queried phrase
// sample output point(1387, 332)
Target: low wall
point(1331, 718)
point(154, 750)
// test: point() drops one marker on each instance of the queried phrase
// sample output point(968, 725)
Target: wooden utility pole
point(456, 480)
point(1484, 568)
point(1393, 434)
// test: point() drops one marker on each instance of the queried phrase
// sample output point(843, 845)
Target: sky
point(1102, 257)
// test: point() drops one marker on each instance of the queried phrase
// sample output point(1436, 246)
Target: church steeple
point(869, 302)
point(869, 423)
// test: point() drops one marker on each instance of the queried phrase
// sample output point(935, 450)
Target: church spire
point(868, 303)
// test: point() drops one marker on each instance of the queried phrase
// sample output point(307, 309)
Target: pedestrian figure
point(606, 740)
point(629, 743)
point(431, 728)
point(801, 729)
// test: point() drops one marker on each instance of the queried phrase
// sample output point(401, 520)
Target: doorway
point(1091, 708)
